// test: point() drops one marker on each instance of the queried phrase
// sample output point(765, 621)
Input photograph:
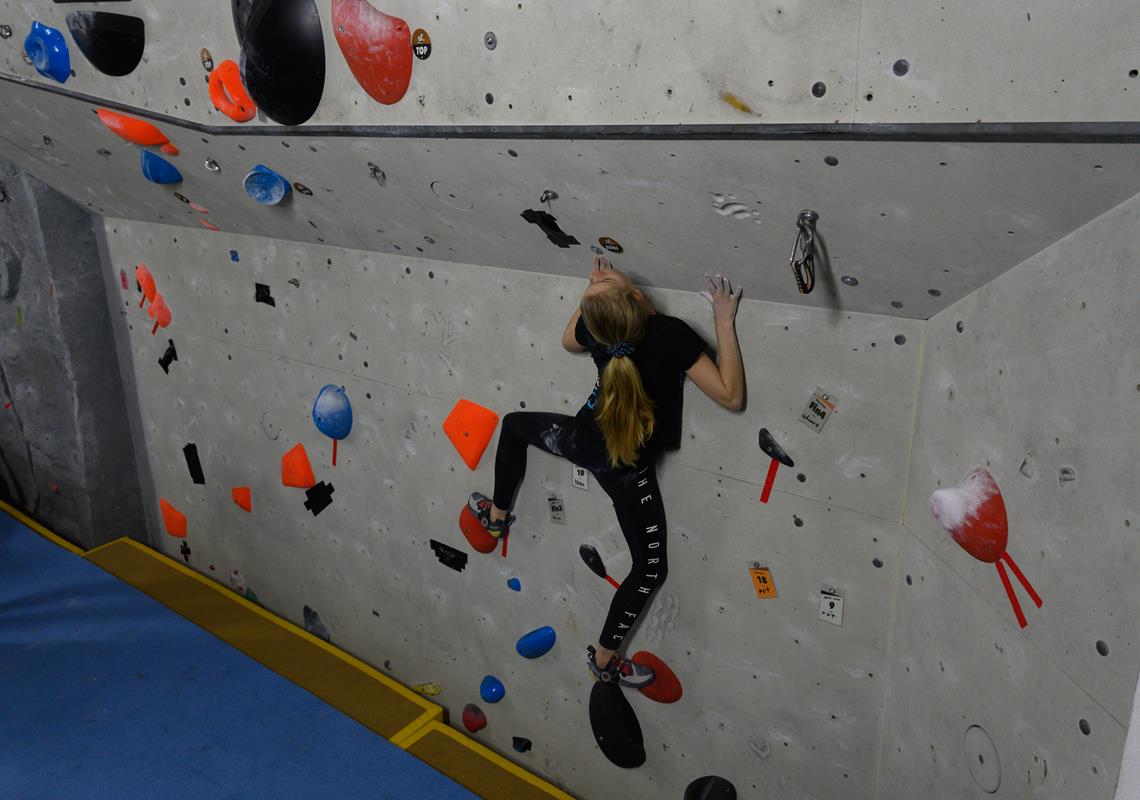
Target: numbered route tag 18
point(762, 581)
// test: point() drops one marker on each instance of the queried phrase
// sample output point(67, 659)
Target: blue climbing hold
point(234, 256)
point(47, 50)
point(266, 186)
point(332, 412)
point(492, 689)
point(536, 643)
point(515, 583)
point(157, 169)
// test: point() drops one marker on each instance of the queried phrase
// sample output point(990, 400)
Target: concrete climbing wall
point(1034, 377)
point(435, 243)
point(66, 456)
point(409, 337)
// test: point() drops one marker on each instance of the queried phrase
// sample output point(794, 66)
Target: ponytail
point(624, 411)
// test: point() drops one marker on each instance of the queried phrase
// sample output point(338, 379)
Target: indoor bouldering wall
point(329, 227)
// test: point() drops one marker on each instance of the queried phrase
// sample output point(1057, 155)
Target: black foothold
point(819, 89)
point(449, 556)
point(710, 787)
point(192, 462)
point(549, 225)
point(593, 560)
point(314, 625)
point(319, 497)
point(185, 551)
point(262, 294)
point(902, 67)
point(773, 450)
point(170, 355)
point(521, 743)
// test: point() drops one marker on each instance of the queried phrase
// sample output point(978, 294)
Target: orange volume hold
point(173, 519)
point(136, 131)
point(470, 427)
point(296, 469)
point(241, 496)
point(228, 93)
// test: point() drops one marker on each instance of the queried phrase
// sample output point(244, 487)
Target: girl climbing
point(633, 414)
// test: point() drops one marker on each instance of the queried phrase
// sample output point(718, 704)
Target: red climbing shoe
point(620, 670)
point(480, 506)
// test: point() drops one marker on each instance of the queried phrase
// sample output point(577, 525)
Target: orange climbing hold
point(228, 93)
point(145, 281)
point(136, 131)
point(296, 469)
point(666, 688)
point(470, 427)
point(475, 533)
point(173, 519)
point(241, 496)
point(159, 312)
point(377, 47)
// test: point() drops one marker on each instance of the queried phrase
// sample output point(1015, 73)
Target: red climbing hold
point(228, 93)
point(377, 47)
point(241, 496)
point(470, 427)
point(146, 281)
point(136, 131)
point(475, 533)
point(296, 470)
point(474, 719)
point(665, 688)
point(159, 312)
point(173, 519)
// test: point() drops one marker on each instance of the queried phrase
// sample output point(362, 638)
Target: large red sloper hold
point(666, 687)
point(137, 131)
point(377, 47)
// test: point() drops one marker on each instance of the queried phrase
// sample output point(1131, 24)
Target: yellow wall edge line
point(488, 754)
point(40, 529)
point(429, 708)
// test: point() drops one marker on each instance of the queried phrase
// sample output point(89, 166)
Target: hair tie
point(620, 349)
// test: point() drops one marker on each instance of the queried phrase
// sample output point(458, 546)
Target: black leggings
point(633, 490)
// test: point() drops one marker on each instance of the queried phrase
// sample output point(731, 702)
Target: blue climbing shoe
point(480, 506)
point(621, 671)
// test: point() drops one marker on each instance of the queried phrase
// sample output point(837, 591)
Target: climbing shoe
point(480, 506)
point(620, 670)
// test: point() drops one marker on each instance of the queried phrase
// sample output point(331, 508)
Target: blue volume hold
point(332, 412)
point(47, 50)
point(492, 689)
point(157, 169)
point(536, 643)
point(515, 584)
point(266, 186)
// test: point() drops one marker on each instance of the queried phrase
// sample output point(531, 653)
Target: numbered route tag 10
point(762, 581)
point(818, 410)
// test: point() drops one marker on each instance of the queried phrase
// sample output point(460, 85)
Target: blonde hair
point(624, 411)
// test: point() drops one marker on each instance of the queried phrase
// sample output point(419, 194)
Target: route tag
point(580, 481)
point(818, 410)
point(762, 581)
point(557, 509)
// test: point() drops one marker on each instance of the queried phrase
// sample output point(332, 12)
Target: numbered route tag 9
point(762, 581)
point(818, 410)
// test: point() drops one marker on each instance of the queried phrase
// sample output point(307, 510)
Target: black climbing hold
point(615, 726)
point(171, 354)
point(314, 625)
point(549, 226)
point(192, 462)
point(710, 787)
point(113, 43)
point(449, 556)
point(521, 743)
point(319, 497)
point(593, 560)
point(185, 551)
point(283, 58)
point(773, 450)
point(262, 294)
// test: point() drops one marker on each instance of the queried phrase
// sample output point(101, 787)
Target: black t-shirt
point(669, 349)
